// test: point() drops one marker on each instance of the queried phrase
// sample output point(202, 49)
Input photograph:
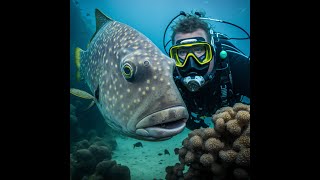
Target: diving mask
point(201, 51)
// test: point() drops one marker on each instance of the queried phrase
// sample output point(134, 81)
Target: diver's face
point(192, 67)
point(196, 33)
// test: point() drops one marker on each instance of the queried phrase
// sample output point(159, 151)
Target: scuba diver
point(210, 71)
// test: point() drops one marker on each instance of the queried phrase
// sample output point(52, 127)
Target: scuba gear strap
point(223, 72)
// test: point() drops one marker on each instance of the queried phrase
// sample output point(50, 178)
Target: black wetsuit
point(207, 99)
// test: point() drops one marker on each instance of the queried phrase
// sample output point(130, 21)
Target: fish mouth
point(163, 124)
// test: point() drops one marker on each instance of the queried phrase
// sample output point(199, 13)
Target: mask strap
point(212, 38)
point(210, 67)
point(178, 71)
point(214, 49)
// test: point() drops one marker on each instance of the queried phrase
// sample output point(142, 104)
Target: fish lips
point(163, 124)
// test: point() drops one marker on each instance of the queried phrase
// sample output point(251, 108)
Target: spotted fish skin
point(135, 107)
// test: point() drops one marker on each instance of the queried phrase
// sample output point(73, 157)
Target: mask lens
point(182, 53)
point(199, 51)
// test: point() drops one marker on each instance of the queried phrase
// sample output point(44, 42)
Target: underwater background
point(88, 131)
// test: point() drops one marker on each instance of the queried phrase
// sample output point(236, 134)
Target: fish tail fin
point(77, 60)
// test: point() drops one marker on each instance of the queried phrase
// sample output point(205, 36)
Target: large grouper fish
point(131, 82)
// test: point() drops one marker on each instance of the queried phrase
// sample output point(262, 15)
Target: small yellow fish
point(84, 95)
point(81, 94)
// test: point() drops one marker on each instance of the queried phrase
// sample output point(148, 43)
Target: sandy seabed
point(145, 163)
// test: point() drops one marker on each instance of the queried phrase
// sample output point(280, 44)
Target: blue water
point(150, 18)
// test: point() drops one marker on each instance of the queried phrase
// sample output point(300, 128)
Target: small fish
point(88, 14)
point(83, 95)
point(159, 154)
point(138, 144)
point(166, 152)
point(131, 81)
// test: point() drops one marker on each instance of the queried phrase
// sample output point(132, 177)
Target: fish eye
point(127, 71)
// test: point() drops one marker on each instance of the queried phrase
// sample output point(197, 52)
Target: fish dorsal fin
point(101, 19)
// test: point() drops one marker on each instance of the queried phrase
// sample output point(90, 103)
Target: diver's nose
point(191, 62)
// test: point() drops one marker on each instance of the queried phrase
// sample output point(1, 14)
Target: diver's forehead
point(196, 33)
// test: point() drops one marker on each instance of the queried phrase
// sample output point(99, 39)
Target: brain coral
point(189, 157)
point(228, 156)
point(213, 145)
point(222, 152)
point(206, 159)
point(243, 157)
point(209, 132)
point(220, 125)
point(195, 142)
point(243, 117)
point(241, 142)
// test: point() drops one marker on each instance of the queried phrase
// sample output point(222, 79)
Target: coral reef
point(91, 148)
point(75, 130)
point(105, 141)
point(222, 152)
point(109, 169)
point(92, 160)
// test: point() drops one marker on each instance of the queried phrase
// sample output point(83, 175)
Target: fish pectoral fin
point(90, 105)
point(81, 94)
